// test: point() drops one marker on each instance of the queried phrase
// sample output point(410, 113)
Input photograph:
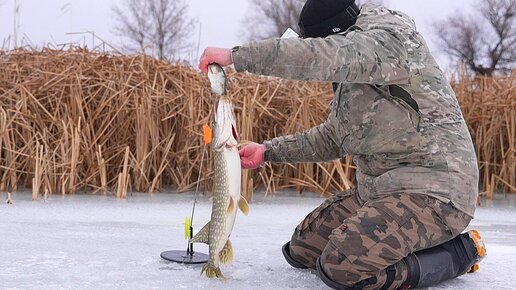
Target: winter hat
point(320, 18)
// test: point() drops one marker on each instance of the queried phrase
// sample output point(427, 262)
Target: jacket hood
point(378, 17)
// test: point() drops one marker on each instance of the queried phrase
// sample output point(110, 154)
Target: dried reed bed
point(77, 120)
point(268, 107)
point(489, 107)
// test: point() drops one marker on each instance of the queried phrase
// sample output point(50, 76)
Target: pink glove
point(218, 55)
point(251, 156)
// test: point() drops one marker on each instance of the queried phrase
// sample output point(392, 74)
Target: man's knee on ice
point(338, 267)
point(299, 254)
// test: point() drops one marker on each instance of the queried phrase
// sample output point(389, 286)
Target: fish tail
point(211, 271)
point(226, 255)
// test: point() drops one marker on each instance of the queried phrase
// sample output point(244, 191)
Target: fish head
point(225, 134)
point(217, 78)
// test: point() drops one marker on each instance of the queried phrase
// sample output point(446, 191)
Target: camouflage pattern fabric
point(358, 240)
point(393, 109)
point(311, 235)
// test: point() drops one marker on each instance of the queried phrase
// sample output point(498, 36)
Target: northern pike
point(226, 180)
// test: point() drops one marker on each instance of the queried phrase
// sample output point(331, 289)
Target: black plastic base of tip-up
point(185, 257)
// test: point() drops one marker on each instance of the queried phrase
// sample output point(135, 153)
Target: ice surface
point(99, 242)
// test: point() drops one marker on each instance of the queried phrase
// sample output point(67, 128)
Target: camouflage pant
point(358, 240)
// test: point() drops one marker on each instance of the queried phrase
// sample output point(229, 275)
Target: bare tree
point(486, 41)
point(162, 26)
point(270, 18)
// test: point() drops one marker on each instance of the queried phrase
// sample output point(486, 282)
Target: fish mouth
point(217, 78)
point(214, 68)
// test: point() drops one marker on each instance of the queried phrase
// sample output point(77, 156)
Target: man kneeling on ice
point(396, 114)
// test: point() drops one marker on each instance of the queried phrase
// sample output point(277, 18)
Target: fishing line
point(189, 223)
point(198, 182)
point(207, 136)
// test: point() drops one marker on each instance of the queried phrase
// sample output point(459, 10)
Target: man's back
point(413, 137)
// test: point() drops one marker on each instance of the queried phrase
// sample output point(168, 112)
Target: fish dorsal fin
point(243, 205)
point(231, 206)
point(203, 236)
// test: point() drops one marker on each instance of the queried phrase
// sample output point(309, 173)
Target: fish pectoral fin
point(232, 142)
point(203, 236)
point(231, 206)
point(226, 255)
point(243, 205)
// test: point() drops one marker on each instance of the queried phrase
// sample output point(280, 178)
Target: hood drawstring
point(337, 88)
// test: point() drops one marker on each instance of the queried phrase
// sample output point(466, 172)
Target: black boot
point(286, 253)
point(449, 260)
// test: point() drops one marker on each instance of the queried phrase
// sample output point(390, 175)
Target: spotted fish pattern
point(226, 180)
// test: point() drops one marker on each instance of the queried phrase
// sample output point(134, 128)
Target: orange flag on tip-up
point(207, 134)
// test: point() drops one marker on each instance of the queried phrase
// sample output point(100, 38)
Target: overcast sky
point(49, 21)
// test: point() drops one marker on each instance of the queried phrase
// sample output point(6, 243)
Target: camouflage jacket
point(393, 109)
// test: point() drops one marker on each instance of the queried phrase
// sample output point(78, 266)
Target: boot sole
point(481, 249)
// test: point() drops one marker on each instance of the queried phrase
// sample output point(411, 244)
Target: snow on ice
point(100, 242)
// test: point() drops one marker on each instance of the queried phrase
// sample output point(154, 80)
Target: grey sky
point(48, 21)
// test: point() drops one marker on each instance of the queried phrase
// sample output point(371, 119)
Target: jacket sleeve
point(372, 57)
point(317, 144)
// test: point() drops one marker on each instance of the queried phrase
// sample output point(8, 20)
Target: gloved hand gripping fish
point(226, 181)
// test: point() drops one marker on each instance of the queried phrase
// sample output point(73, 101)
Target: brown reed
point(489, 107)
point(78, 120)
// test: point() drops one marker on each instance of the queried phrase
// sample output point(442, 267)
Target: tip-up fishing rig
point(190, 256)
point(218, 86)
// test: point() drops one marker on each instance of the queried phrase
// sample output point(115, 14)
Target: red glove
point(217, 55)
point(251, 156)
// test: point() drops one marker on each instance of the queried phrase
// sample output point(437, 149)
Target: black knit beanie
point(320, 18)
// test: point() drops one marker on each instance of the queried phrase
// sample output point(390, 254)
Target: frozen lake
point(99, 242)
